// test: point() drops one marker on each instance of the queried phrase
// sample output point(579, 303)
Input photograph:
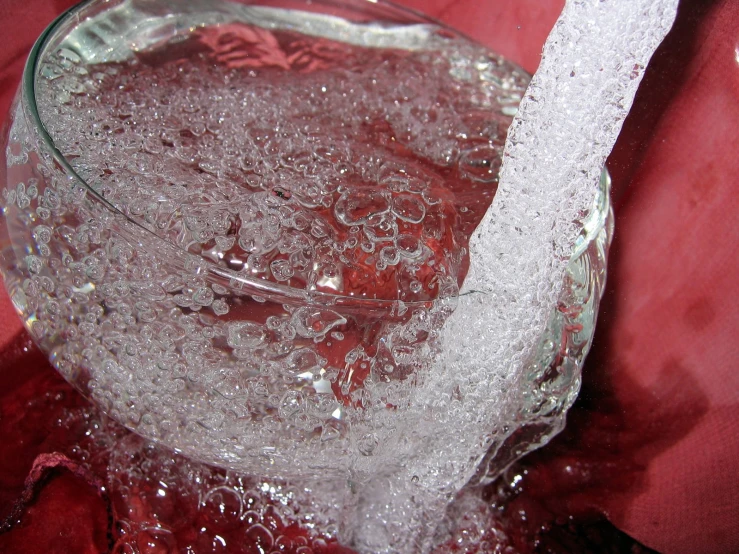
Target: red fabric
point(653, 441)
point(81, 527)
point(672, 324)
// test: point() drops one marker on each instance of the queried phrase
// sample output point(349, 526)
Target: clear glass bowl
point(146, 296)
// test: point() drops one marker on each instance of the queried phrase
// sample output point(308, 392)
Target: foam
point(566, 126)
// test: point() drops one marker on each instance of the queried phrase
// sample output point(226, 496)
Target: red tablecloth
point(653, 442)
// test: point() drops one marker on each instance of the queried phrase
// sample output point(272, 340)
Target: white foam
point(566, 126)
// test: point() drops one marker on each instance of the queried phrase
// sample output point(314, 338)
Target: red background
point(656, 427)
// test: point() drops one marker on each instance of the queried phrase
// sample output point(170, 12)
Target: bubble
point(220, 306)
point(381, 229)
point(42, 234)
point(222, 505)
point(281, 269)
point(34, 264)
point(312, 322)
point(409, 208)
point(390, 255)
point(245, 335)
point(291, 404)
point(409, 246)
point(367, 444)
point(203, 296)
point(357, 207)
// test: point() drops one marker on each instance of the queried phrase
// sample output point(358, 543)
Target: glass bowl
point(239, 229)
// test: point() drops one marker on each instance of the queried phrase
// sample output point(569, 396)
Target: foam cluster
point(565, 128)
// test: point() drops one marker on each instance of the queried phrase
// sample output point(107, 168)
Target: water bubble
point(367, 444)
point(281, 269)
point(245, 335)
point(390, 255)
point(42, 234)
point(409, 208)
point(302, 360)
point(381, 228)
point(291, 404)
point(257, 263)
point(222, 505)
point(34, 264)
point(203, 296)
point(409, 246)
point(312, 322)
point(220, 306)
point(358, 206)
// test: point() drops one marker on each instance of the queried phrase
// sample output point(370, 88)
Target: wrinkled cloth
point(653, 441)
